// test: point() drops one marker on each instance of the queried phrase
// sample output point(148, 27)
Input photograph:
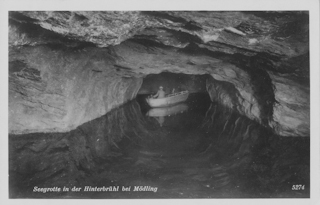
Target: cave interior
point(78, 82)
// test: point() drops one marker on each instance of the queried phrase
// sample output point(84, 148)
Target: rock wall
point(237, 96)
point(291, 114)
point(291, 111)
point(58, 90)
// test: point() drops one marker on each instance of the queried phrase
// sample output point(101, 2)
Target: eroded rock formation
point(59, 90)
point(66, 68)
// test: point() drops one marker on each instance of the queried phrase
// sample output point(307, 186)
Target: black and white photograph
point(159, 103)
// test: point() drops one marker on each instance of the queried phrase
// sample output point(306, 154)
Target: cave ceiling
point(275, 41)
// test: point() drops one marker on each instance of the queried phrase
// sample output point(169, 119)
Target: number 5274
point(298, 187)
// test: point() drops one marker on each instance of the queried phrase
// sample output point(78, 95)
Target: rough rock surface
point(292, 111)
point(57, 91)
point(70, 67)
point(256, 32)
point(235, 97)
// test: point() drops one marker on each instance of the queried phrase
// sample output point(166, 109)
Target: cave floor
point(199, 150)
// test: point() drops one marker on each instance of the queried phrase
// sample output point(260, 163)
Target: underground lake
point(200, 150)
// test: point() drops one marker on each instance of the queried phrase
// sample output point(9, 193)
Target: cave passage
point(203, 150)
point(176, 81)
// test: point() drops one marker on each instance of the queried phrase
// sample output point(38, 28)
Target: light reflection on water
point(197, 150)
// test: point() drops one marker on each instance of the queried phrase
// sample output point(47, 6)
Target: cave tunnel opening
point(177, 81)
point(174, 83)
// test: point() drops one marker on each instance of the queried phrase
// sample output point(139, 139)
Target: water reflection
point(160, 113)
point(207, 151)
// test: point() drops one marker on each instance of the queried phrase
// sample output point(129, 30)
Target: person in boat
point(160, 93)
point(160, 120)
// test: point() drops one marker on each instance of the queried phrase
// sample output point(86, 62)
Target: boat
point(170, 99)
point(167, 111)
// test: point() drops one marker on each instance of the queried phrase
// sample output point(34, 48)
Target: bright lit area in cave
point(159, 104)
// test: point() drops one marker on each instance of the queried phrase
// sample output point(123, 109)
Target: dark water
point(202, 150)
